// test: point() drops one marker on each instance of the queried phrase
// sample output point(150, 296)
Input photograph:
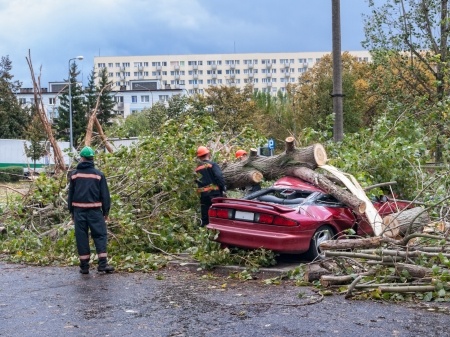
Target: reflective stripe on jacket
point(209, 174)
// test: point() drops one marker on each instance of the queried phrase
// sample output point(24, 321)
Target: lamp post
point(70, 103)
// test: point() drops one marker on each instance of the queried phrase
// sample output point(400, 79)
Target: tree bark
point(405, 222)
point(329, 280)
point(59, 158)
point(343, 244)
point(329, 187)
point(314, 272)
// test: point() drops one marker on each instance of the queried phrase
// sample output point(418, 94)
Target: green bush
point(11, 173)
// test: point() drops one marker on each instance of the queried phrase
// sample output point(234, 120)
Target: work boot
point(104, 266)
point(84, 266)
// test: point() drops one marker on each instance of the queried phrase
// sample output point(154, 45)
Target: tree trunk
point(373, 242)
point(329, 187)
point(293, 162)
point(59, 158)
point(405, 222)
point(314, 272)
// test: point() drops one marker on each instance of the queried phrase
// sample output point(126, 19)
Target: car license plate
point(244, 216)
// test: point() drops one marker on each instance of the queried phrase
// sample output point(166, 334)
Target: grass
point(11, 190)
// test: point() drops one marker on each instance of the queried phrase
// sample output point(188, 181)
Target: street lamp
point(70, 102)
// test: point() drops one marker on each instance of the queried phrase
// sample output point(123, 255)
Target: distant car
point(292, 217)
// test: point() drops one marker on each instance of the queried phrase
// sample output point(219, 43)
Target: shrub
point(11, 173)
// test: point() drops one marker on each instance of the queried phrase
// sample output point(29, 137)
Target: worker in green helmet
point(89, 203)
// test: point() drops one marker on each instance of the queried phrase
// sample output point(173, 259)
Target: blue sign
point(271, 144)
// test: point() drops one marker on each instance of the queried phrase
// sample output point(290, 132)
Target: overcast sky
point(57, 30)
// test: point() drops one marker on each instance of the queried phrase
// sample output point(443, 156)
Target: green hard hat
point(87, 152)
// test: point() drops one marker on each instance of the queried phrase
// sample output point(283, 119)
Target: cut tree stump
point(405, 222)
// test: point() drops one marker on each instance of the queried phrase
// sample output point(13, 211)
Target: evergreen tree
point(36, 135)
point(90, 92)
point(14, 118)
point(79, 120)
point(105, 111)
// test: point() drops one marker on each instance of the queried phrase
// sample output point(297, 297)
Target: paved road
point(54, 301)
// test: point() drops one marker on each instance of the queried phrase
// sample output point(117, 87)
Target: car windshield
point(286, 197)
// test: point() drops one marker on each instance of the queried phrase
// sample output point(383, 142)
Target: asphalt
point(182, 300)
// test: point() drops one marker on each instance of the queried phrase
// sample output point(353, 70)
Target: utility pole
point(338, 128)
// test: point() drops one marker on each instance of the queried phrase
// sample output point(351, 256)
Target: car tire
point(323, 233)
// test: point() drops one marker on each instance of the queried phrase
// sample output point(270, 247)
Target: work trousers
point(205, 204)
point(90, 219)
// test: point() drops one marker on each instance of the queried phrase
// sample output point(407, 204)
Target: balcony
point(268, 65)
point(177, 76)
point(177, 67)
point(122, 68)
point(232, 75)
point(286, 65)
point(250, 66)
point(250, 75)
point(195, 76)
point(214, 75)
point(140, 68)
point(195, 86)
point(120, 105)
point(213, 66)
point(287, 74)
point(269, 84)
point(232, 66)
point(158, 67)
point(158, 77)
point(195, 67)
point(269, 75)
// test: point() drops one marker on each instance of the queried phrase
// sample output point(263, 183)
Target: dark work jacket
point(209, 174)
point(88, 188)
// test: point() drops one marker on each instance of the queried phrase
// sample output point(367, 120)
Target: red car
point(292, 216)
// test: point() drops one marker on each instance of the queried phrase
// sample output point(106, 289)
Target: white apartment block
point(138, 96)
point(267, 72)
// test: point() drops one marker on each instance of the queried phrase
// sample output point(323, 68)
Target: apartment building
point(268, 72)
point(138, 96)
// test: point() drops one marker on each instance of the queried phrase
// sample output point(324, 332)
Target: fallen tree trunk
point(293, 162)
point(406, 222)
point(372, 242)
point(275, 166)
point(329, 187)
point(329, 280)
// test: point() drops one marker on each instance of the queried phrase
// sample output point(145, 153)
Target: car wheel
point(324, 233)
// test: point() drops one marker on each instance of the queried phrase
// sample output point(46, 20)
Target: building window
point(133, 99)
point(163, 98)
point(145, 98)
point(22, 100)
point(117, 64)
point(52, 101)
point(101, 65)
point(125, 64)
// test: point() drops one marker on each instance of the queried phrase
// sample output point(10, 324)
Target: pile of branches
point(416, 266)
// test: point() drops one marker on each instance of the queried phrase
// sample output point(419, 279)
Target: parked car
point(293, 216)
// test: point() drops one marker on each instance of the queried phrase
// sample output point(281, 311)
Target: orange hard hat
point(202, 150)
point(240, 153)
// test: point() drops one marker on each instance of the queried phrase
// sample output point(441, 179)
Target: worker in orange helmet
point(241, 155)
point(210, 181)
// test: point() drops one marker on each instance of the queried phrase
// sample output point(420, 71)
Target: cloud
point(57, 30)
